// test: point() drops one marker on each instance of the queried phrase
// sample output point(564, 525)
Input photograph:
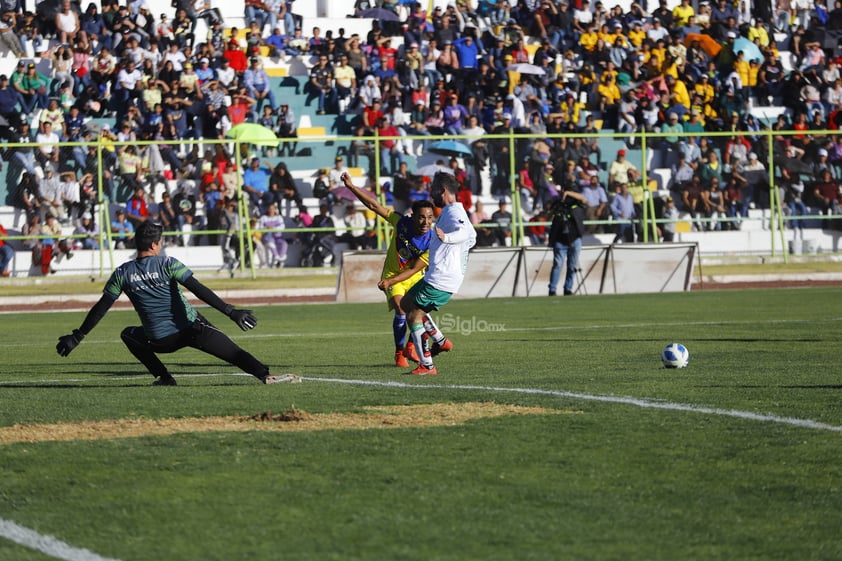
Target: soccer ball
point(675, 355)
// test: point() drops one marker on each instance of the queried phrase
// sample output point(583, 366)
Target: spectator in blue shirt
point(257, 84)
point(205, 72)
point(455, 115)
point(256, 181)
point(467, 51)
point(122, 231)
point(622, 208)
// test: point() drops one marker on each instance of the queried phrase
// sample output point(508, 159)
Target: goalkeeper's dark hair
point(418, 205)
point(445, 181)
point(146, 234)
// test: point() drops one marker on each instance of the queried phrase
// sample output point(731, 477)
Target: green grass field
point(734, 458)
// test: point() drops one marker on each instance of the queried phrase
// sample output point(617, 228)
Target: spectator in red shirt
point(372, 116)
point(136, 210)
point(241, 104)
point(391, 150)
point(235, 56)
point(465, 196)
point(536, 231)
point(826, 192)
point(387, 53)
point(6, 253)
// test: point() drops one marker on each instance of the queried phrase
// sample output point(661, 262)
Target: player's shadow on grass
point(66, 386)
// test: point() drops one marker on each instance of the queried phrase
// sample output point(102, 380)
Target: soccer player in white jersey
point(449, 247)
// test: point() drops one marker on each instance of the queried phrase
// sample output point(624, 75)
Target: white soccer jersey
point(449, 258)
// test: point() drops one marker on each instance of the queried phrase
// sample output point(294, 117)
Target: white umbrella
point(525, 68)
point(432, 169)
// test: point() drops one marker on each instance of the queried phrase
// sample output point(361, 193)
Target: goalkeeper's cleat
point(400, 359)
point(165, 380)
point(282, 379)
point(439, 348)
point(410, 352)
point(423, 370)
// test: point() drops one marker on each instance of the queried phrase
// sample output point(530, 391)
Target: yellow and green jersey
point(405, 245)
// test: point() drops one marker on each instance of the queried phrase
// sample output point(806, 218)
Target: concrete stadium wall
point(524, 271)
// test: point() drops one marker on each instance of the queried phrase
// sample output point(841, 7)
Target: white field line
point(635, 401)
point(46, 544)
point(621, 400)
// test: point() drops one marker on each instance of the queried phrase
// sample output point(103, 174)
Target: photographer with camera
point(565, 239)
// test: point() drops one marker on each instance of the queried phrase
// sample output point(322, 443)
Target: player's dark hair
point(445, 181)
point(147, 233)
point(441, 182)
point(418, 205)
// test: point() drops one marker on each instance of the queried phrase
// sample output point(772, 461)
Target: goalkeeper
point(169, 322)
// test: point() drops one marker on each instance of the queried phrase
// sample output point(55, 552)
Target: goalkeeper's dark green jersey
point(151, 283)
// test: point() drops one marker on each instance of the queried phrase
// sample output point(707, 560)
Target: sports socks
point(433, 330)
point(399, 330)
point(417, 331)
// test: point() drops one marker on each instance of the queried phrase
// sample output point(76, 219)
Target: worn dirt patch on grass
point(292, 420)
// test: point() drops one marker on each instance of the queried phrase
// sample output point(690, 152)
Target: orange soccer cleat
point(441, 348)
point(422, 370)
point(410, 352)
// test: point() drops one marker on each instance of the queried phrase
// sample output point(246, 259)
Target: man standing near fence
point(565, 239)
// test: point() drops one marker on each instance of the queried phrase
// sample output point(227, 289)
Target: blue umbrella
point(750, 50)
point(449, 148)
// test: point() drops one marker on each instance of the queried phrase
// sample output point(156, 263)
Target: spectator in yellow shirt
point(678, 91)
point(682, 13)
point(741, 67)
point(758, 34)
point(605, 33)
point(608, 92)
point(587, 77)
point(704, 88)
point(660, 51)
point(589, 39)
point(750, 81)
point(611, 38)
point(637, 35)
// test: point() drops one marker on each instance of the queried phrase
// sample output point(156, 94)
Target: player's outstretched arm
point(243, 318)
point(66, 343)
point(366, 199)
point(415, 266)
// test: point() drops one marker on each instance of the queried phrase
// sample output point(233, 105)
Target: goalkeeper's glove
point(244, 318)
point(66, 343)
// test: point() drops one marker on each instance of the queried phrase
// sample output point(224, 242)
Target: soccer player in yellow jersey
point(406, 260)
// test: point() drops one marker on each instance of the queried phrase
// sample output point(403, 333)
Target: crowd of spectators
point(470, 68)
point(678, 69)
